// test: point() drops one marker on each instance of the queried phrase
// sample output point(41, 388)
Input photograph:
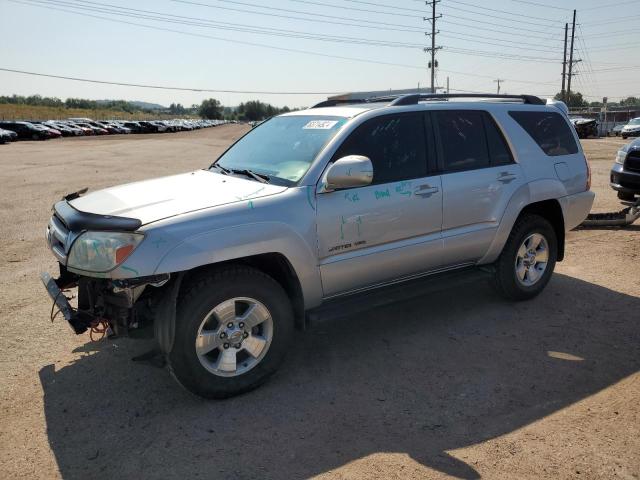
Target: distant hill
point(139, 104)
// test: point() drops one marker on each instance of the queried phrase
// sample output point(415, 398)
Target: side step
point(378, 297)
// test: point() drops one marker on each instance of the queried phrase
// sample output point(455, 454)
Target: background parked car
point(27, 131)
point(631, 129)
point(96, 130)
point(625, 174)
point(617, 130)
point(7, 136)
point(585, 127)
point(63, 129)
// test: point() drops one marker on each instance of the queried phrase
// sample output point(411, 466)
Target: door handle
point(506, 177)
point(426, 191)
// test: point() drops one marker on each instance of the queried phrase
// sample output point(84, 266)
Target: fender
point(532, 192)
point(241, 241)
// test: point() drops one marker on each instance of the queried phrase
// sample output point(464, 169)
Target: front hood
point(152, 200)
point(630, 128)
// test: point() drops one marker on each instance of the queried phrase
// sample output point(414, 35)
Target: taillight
point(588, 173)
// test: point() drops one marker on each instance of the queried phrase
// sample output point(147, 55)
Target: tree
point(630, 101)
point(575, 99)
point(210, 109)
point(176, 109)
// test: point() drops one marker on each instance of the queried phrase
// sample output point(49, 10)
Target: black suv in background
point(625, 174)
point(26, 131)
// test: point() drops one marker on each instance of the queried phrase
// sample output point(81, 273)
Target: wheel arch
point(274, 264)
point(551, 210)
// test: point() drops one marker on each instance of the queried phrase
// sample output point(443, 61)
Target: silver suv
point(315, 206)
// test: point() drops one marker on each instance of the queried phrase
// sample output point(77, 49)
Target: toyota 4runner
point(315, 206)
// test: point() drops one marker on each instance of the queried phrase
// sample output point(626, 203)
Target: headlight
point(620, 157)
point(102, 251)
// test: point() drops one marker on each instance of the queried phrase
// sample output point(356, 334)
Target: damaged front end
point(88, 248)
point(121, 305)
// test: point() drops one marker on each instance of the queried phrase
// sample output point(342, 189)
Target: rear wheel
point(233, 329)
point(527, 260)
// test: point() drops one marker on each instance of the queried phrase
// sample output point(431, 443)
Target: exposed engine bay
point(105, 306)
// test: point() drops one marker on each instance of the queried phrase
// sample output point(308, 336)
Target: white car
point(631, 129)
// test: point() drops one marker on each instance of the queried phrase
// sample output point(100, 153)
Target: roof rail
point(414, 98)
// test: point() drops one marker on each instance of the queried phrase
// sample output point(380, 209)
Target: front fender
point(241, 241)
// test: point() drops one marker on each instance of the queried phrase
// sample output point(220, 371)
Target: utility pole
point(563, 93)
point(432, 64)
point(498, 80)
point(447, 85)
point(571, 60)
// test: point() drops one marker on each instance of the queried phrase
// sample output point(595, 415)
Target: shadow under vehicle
point(421, 377)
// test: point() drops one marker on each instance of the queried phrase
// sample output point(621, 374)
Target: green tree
point(630, 101)
point(575, 99)
point(210, 109)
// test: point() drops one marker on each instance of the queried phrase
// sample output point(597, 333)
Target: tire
point(624, 137)
point(627, 197)
point(208, 299)
point(528, 228)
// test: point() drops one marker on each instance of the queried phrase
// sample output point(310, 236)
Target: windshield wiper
point(226, 171)
point(261, 177)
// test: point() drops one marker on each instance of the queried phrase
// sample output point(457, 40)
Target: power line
point(239, 42)
point(163, 87)
point(182, 20)
point(247, 4)
point(541, 5)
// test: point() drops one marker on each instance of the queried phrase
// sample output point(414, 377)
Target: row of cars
point(588, 127)
point(44, 130)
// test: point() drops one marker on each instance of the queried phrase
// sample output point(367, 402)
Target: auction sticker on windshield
point(320, 124)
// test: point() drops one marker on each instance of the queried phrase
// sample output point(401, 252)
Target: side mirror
point(348, 172)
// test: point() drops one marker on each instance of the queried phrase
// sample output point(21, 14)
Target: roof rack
point(414, 98)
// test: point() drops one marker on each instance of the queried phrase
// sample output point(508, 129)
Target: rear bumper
point(576, 207)
point(623, 180)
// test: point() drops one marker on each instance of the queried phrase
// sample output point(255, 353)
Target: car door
point(479, 177)
point(391, 228)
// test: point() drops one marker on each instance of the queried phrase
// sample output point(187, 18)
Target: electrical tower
point(433, 64)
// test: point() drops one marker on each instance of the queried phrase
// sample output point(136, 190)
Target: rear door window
point(462, 139)
point(549, 130)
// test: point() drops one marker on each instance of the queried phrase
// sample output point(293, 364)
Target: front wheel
point(233, 329)
point(527, 260)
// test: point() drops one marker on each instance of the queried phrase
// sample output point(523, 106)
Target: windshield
point(635, 121)
point(283, 147)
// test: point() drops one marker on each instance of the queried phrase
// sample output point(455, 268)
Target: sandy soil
point(455, 384)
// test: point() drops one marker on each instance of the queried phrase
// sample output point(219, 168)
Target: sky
point(354, 46)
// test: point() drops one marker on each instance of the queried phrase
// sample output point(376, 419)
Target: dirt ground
point(457, 384)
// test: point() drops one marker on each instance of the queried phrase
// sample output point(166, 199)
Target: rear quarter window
point(549, 130)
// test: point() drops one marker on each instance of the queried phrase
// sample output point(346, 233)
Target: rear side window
point(395, 144)
point(463, 140)
point(549, 130)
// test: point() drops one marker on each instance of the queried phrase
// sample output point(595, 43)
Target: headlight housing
point(620, 156)
point(102, 251)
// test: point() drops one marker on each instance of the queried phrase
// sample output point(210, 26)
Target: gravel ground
point(454, 384)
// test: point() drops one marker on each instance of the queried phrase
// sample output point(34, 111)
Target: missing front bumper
point(77, 324)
